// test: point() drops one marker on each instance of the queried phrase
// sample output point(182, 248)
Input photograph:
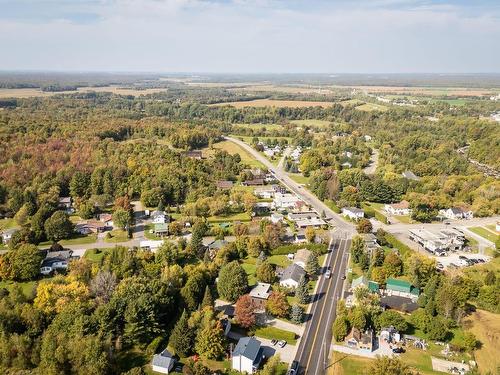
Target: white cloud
point(254, 36)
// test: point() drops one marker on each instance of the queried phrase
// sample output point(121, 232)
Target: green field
point(279, 260)
point(96, 255)
point(117, 236)
point(299, 178)
point(250, 268)
point(27, 287)
point(8, 224)
point(232, 148)
point(316, 123)
point(260, 126)
point(368, 107)
point(79, 240)
point(276, 333)
point(242, 216)
point(485, 233)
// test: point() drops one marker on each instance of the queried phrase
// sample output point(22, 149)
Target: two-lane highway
point(314, 347)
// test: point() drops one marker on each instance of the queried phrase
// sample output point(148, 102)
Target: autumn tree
point(310, 234)
point(364, 226)
point(210, 341)
point(277, 304)
point(389, 366)
point(245, 311)
point(265, 272)
point(122, 218)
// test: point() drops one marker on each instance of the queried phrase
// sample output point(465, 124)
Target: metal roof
point(247, 347)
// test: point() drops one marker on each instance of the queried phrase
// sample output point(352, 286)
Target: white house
point(398, 209)
point(264, 192)
point(285, 201)
point(159, 217)
point(247, 355)
point(56, 261)
point(456, 213)
point(276, 218)
point(291, 276)
point(163, 362)
point(353, 213)
point(7, 235)
point(150, 245)
point(390, 335)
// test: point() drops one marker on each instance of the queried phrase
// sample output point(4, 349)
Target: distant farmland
point(32, 92)
point(275, 103)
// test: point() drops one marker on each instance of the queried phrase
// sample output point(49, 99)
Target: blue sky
point(272, 36)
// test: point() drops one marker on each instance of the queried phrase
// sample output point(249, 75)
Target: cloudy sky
point(271, 36)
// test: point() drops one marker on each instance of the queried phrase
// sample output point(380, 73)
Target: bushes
point(319, 249)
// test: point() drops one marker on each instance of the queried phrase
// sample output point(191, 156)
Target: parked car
point(462, 257)
point(398, 350)
point(343, 277)
point(294, 368)
point(274, 342)
point(328, 274)
point(281, 343)
point(439, 266)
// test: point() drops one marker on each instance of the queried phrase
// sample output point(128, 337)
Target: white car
point(328, 274)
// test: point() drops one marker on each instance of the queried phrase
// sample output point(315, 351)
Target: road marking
point(322, 311)
point(325, 332)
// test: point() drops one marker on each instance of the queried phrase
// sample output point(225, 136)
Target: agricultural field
point(426, 91)
point(232, 148)
point(260, 126)
point(274, 103)
point(486, 327)
point(315, 123)
point(34, 92)
point(368, 107)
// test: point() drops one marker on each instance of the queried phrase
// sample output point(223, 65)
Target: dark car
point(343, 277)
point(462, 257)
point(398, 350)
point(294, 368)
point(274, 342)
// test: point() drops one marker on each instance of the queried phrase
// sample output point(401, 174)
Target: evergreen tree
point(297, 314)
point(312, 265)
point(302, 291)
point(233, 281)
point(181, 338)
point(208, 301)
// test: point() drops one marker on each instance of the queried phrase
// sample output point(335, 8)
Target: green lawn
point(117, 235)
point(368, 107)
point(232, 148)
point(299, 178)
point(276, 333)
point(242, 216)
point(96, 255)
point(316, 123)
point(27, 287)
point(8, 224)
point(147, 234)
point(259, 126)
point(279, 260)
point(78, 240)
point(485, 233)
point(250, 271)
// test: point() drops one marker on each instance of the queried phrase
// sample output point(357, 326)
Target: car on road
point(274, 342)
point(281, 343)
point(398, 350)
point(328, 274)
point(294, 368)
point(439, 266)
point(343, 277)
point(463, 257)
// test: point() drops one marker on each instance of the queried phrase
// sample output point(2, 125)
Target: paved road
point(337, 221)
point(314, 348)
point(372, 167)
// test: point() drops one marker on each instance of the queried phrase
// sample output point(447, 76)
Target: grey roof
point(410, 175)
point(50, 261)
point(248, 347)
point(294, 272)
point(164, 359)
point(354, 209)
point(217, 244)
point(63, 254)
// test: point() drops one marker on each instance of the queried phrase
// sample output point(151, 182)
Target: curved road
point(314, 348)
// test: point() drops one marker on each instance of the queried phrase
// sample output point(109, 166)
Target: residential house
point(224, 184)
point(358, 340)
point(363, 281)
point(262, 208)
point(301, 257)
point(90, 226)
point(163, 362)
point(279, 189)
point(353, 213)
point(300, 236)
point(312, 222)
point(285, 201)
point(438, 242)
point(398, 209)
point(390, 335)
point(456, 213)
point(195, 154)
point(276, 218)
point(107, 219)
point(214, 247)
point(371, 243)
point(56, 261)
point(264, 192)
point(160, 229)
point(151, 245)
point(65, 204)
point(291, 276)
point(409, 175)
point(247, 355)
point(7, 234)
point(259, 294)
point(254, 182)
point(401, 288)
point(294, 216)
point(159, 217)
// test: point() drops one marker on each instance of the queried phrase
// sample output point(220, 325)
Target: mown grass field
point(299, 178)
point(27, 287)
point(232, 148)
point(117, 235)
point(315, 123)
point(77, 240)
point(260, 126)
point(274, 103)
point(34, 92)
point(368, 107)
point(242, 216)
point(485, 233)
point(276, 333)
